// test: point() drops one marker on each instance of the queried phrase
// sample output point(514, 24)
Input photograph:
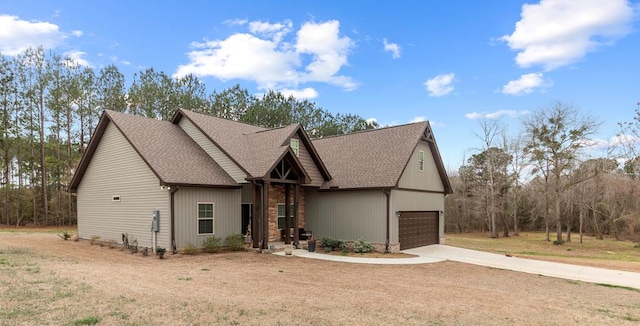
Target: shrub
point(65, 235)
point(362, 246)
point(95, 239)
point(189, 249)
point(160, 252)
point(234, 242)
point(211, 244)
point(133, 247)
point(331, 243)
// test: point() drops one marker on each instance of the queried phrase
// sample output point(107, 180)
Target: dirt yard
point(44, 280)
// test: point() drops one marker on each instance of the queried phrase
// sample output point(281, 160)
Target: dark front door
point(246, 217)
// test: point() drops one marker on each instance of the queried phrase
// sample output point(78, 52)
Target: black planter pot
point(312, 246)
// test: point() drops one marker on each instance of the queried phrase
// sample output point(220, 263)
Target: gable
point(429, 178)
point(305, 155)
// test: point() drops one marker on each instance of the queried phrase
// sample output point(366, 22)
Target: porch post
point(287, 213)
point(265, 215)
point(255, 234)
point(296, 198)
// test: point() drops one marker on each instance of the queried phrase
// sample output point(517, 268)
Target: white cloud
point(495, 115)
point(307, 93)
point(554, 33)
point(77, 58)
point(235, 22)
point(440, 85)
point(77, 33)
point(372, 121)
point(526, 84)
point(392, 47)
point(117, 60)
point(316, 54)
point(418, 119)
point(17, 35)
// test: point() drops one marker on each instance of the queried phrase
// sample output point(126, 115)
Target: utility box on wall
point(155, 222)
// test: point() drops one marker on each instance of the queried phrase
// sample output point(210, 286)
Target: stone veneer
point(276, 196)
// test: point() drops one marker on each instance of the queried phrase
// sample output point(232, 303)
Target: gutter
point(172, 213)
point(387, 192)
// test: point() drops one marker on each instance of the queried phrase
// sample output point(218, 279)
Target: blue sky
point(450, 62)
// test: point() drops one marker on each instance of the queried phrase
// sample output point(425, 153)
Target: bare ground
point(61, 282)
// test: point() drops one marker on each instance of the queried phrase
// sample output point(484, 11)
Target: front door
point(246, 217)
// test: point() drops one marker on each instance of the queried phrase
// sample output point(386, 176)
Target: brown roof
point(374, 158)
point(254, 149)
point(164, 147)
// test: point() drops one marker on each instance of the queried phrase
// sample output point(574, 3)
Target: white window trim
point(212, 218)
point(296, 149)
point(116, 198)
point(421, 161)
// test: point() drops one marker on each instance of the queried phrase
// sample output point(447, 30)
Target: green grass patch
point(185, 279)
point(92, 320)
point(618, 287)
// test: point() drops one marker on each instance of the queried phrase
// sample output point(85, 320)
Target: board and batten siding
point(308, 164)
point(407, 200)
point(116, 169)
point(212, 150)
point(413, 178)
point(347, 215)
point(227, 215)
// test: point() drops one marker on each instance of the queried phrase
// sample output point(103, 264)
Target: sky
point(452, 62)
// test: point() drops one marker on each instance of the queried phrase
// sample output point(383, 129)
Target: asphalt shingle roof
point(369, 159)
point(170, 152)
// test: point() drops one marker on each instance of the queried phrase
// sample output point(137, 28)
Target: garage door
point(418, 229)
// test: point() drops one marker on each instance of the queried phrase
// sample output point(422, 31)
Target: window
point(295, 146)
point(421, 161)
point(281, 220)
point(205, 218)
point(115, 198)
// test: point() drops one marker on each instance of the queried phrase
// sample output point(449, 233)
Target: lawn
point(607, 253)
point(45, 280)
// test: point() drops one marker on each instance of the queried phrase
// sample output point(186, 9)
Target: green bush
point(362, 246)
point(331, 243)
point(189, 249)
point(234, 242)
point(211, 244)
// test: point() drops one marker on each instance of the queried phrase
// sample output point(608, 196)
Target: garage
point(418, 228)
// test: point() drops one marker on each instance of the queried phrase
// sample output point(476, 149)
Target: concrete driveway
point(566, 271)
point(437, 253)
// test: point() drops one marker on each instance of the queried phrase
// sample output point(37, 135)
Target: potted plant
point(160, 252)
point(311, 243)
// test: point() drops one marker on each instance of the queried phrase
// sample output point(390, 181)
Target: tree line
point(544, 179)
point(49, 108)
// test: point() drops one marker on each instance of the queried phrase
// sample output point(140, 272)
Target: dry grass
point(44, 280)
point(607, 253)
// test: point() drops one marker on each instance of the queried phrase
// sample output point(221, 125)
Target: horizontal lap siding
point(227, 215)
point(117, 169)
point(212, 150)
point(347, 215)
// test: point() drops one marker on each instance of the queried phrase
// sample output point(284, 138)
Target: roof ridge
point(225, 119)
point(369, 130)
point(272, 129)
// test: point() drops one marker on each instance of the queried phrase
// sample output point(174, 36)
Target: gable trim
point(299, 130)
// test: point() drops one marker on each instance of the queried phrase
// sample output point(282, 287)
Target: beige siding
point(117, 169)
point(429, 179)
point(227, 215)
point(220, 157)
point(402, 200)
point(308, 164)
point(347, 215)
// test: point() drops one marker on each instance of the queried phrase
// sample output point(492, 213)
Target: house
point(172, 183)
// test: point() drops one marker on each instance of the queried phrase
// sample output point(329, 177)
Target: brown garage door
point(418, 229)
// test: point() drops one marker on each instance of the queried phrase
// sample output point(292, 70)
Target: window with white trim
point(295, 146)
point(281, 214)
point(205, 218)
point(421, 161)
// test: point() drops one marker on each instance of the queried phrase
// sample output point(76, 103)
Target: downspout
point(387, 192)
point(172, 213)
